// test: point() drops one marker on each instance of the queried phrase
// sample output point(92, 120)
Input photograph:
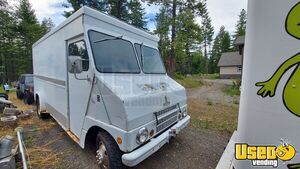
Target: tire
point(4, 95)
point(40, 115)
point(28, 99)
point(112, 154)
point(20, 95)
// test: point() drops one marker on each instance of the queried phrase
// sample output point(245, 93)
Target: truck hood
point(131, 100)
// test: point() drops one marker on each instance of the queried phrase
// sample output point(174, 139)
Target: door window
point(79, 49)
point(22, 80)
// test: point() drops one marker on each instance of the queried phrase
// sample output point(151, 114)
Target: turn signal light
point(151, 133)
point(119, 140)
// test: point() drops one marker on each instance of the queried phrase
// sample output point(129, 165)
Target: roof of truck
point(26, 75)
point(103, 17)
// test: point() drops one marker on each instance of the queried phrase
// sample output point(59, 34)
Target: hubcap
point(102, 157)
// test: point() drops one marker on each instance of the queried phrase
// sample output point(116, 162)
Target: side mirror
point(75, 64)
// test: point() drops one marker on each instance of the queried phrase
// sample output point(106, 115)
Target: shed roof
point(230, 59)
point(240, 40)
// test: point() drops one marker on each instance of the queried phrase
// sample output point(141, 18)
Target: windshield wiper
point(107, 39)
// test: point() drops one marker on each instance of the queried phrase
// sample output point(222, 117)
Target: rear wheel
point(108, 153)
point(40, 114)
point(19, 94)
point(28, 98)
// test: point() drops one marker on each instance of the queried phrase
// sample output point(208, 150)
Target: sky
point(222, 12)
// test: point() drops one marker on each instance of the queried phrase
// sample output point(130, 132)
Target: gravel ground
point(193, 148)
point(212, 91)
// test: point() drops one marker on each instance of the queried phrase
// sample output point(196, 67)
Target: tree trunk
point(205, 54)
point(189, 59)
point(173, 37)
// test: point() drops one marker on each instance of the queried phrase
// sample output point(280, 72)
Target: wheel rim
point(102, 156)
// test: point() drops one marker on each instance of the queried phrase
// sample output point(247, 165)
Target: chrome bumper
point(137, 156)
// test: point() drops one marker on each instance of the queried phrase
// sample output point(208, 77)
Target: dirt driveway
point(194, 148)
point(213, 91)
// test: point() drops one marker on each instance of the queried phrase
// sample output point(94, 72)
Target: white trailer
point(104, 82)
point(269, 123)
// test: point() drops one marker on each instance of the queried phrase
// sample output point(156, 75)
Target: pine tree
point(208, 31)
point(101, 5)
point(162, 30)
point(3, 3)
point(136, 14)
point(130, 11)
point(47, 24)
point(119, 9)
point(222, 44)
point(7, 42)
point(188, 39)
point(241, 25)
point(29, 31)
point(173, 8)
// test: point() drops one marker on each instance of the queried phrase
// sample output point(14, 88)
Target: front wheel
point(108, 153)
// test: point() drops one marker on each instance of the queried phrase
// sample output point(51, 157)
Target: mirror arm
point(77, 78)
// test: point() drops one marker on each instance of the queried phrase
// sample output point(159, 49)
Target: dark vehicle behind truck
point(25, 88)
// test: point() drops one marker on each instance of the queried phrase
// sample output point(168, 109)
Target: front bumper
point(137, 156)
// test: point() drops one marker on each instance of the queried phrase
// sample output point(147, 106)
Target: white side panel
point(49, 64)
point(266, 120)
point(228, 155)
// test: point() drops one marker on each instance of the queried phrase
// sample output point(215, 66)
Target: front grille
point(166, 118)
point(161, 112)
point(166, 124)
point(162, 122)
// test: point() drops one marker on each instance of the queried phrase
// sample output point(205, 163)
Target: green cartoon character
point(291, 93)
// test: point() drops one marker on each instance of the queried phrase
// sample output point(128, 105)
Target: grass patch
point(232, 91)
point(188, 82)
point(213, 116)
point(40, 156)
point(208, 76)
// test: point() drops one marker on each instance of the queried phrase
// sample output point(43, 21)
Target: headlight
point(142, 136)
point(184, 111)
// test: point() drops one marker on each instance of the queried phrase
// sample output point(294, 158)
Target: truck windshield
point(113, 55)
point(150, 60)
point(29, 79)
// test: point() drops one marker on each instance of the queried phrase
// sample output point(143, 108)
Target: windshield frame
point(141, 64)
point(94, 59)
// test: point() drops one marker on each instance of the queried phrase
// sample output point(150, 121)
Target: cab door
point(79, 86)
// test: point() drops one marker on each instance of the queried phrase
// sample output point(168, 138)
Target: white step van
point(104, 82)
